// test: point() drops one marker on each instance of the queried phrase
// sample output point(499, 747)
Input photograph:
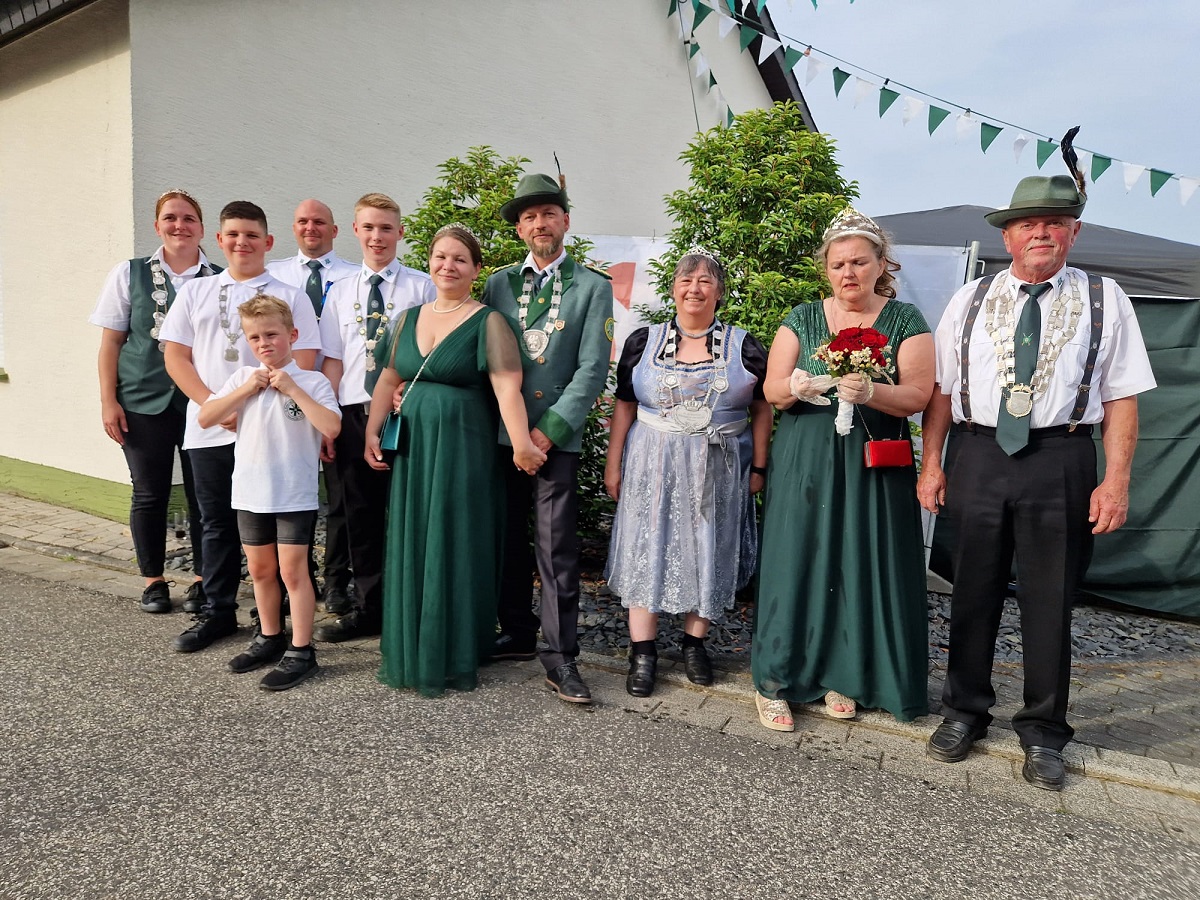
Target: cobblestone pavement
point(1135, 699)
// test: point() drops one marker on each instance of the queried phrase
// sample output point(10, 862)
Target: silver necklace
point(384, 317)
point(693, 416)
point(1000, 324)
point(537, 339)
point(161, 296)
point(232, 335)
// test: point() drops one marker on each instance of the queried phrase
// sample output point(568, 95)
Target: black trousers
point(1033, 504)
point(553, 497)
point(212, 469)
point(337, 535)
point(150, 446)
point(365, 498)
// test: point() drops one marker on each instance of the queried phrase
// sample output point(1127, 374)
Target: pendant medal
point(162, 346)
point(720, 384)
point(159, 296)
point(370, 363)
point(692, 416)
point(1020, 401)
point(535, 341)
point(231, 354)
point(154, 332)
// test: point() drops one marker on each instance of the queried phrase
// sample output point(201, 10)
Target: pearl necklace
point(441, 312)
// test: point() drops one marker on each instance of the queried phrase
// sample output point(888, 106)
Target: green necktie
point(1012, 433)
point(374, 306)
point(313, 288)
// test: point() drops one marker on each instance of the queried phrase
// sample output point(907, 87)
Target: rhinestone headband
point(445, 228)
point(851, 223)
point(178, 192)
point(707, 254)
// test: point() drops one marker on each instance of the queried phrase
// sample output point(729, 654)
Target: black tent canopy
point(1153, 562)
point(1144, 266)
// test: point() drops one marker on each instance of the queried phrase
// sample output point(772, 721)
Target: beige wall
point(65, 219)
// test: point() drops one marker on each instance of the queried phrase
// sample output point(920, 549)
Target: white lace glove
point(811, 388)
point(856, 388)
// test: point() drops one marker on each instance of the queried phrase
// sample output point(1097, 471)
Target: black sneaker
point(353, 625)
point(295, 666)
point(156, 598)
point(193, 599)
point(205, 630)
point(263, 650)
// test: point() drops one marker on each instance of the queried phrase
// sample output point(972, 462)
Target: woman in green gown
point(459, 363)
point(841, 612)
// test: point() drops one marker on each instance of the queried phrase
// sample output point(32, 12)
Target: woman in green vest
point(141, 408)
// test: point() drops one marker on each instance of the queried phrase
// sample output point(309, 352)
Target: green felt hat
point(534, 189)
point(1039, 195)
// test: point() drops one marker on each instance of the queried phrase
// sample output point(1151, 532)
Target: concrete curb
point(95, 559)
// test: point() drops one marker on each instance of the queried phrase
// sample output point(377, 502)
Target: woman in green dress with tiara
point(841, 612)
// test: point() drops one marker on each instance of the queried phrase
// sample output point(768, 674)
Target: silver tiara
point(707, 254)
point(851, 223)
point(178, 191)
point(437, 234)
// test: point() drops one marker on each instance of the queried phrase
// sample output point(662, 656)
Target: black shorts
point(260, 529)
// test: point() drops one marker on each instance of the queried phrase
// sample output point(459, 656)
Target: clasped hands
point(854, 388)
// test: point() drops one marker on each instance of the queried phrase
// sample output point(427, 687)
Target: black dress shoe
point(156, 598)
point(205, 630)
point(952, 741)
point(509, 646)
point(697, 666)
point(564, 680)
point(337, 599)
point(1044, 768)
point(193, 598)
point(642, 669)
point(355, 624)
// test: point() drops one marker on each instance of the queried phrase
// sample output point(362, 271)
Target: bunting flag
point(691, 13)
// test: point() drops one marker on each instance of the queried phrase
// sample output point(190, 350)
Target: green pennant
point(839, 80)
point(1100, 165)
point(712, 80)
point(1045, 151)
point(702, 13)
point(1157, 179)
point(886, 98)
point(693, 49)
point(987, 134)
point(791, 56)
point(761, 4)
point(728, 117)
point(674, 5)
point(937, 116)
point(745, 36)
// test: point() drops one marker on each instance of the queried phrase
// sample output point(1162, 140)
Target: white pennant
point(768, 46)
point(1132, 173)
point(746, 6)
point(1187, 187)
point(815, 68)
point(912, 108)
point(862, 89)
point(727, 24)
point(721, 104)
point(964, 126)
point(1019, 146)
point(701, 64)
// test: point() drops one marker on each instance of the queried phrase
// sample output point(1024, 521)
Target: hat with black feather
point(1042, 195)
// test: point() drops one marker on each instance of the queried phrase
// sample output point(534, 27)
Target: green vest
point(143, 385)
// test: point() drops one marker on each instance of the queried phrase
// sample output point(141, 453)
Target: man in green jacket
point(563, 312)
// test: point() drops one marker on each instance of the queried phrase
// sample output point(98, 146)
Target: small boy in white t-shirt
point(282, 412)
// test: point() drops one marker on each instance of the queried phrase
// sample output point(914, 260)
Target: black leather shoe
point(355, 624)
point(952, 741)
point(205, 630)
point(642, 669)
point(697, 666)
point(508, 646)
point(337, 599)
point(156, 598)
point(263, 651)
point(564, 680)
point(1044, 768)
point(193, 598)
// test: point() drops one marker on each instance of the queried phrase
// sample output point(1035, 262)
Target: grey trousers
point(551, 498)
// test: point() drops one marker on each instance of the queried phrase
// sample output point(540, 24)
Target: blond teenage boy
point(283, 412)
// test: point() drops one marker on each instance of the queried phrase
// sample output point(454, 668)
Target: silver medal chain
point(231, 352)
point(160, 296)
point(537, 339)
point(693, 415)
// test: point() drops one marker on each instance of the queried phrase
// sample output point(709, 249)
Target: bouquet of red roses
point(854, 350)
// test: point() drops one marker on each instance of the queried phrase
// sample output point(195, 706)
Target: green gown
point(841, 585)
point(441, 571)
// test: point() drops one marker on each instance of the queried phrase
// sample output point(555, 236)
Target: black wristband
point(759, 470)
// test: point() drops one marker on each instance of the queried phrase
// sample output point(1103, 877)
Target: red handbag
point(885, 454)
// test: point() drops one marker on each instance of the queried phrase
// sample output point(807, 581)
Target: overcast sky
point(1127, 72)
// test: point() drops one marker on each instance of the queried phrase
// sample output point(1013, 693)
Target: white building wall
point(65, 219)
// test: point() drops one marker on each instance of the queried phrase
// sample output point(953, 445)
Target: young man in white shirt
point(358, 316)
point(314, 269)
point(204, 347)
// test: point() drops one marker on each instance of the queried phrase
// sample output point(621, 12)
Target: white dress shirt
point(194, 320)
point(295, 271)
point(345, 318)
point(113, 305)
point(1122, 365)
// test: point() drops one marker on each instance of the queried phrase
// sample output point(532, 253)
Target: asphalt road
point(132, 772)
